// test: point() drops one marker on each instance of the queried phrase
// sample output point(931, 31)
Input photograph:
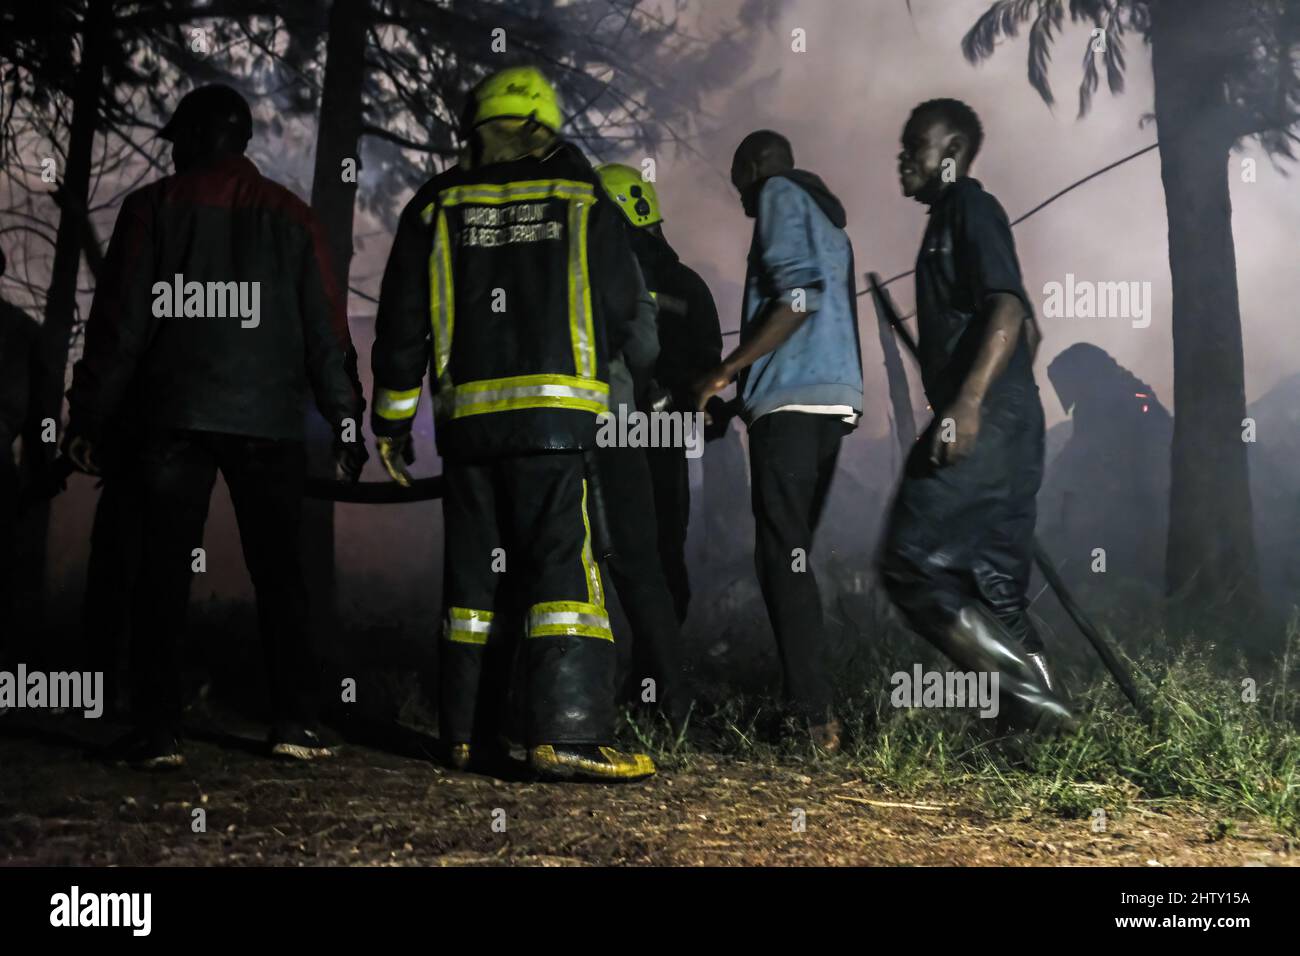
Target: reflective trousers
point(525, 516)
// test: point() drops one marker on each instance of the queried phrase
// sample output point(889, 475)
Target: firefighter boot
point(483, 745)
point(976, 641)
point(589, 762)
point(461, 655)
point(571, 703)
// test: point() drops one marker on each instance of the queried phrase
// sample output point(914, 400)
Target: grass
point(1207, 747)
point(1211, 745)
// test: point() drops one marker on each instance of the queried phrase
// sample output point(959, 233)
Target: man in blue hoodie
point(799, 371)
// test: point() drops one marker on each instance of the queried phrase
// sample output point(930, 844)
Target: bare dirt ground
point(59, 805)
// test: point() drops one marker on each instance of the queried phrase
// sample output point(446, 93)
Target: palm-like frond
point(1262, 80)
point(1253, 44)
point(1111, 54)
point(1002, 19)
point(1051, 17)
point(1046, 18)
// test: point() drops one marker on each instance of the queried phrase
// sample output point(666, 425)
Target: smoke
point(843, 104)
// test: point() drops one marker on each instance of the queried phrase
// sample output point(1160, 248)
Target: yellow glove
point(396, 453)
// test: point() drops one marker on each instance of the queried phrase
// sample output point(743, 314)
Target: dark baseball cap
point(211, 105)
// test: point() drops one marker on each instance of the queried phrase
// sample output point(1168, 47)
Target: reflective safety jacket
point(512, 284)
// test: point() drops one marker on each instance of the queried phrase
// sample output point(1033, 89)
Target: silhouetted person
point(647, 487)
point(690, 344)
point(800, 385)
point(958, 548)
point(113, 565)
point(19, 358)
point(217, 312)
point(1109, 486)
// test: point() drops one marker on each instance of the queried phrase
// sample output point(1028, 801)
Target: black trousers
point(636, 570)
point(792, 460)
point(174, 472)
point(525, 516)
point(112, 571)
point(672, 494)
point(9, 489)
point(964, 533)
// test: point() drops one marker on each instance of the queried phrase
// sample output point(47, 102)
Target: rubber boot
point(571, 711)
point(592, 762)
point(461, 667)
point(1039, 660)
point(475, 685)
point(977, 642)
point(459, 756)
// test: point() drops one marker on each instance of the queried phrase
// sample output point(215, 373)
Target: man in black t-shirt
point(959, 544)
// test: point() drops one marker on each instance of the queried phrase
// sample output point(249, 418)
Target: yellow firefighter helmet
point(520, 92)
point(633, 194)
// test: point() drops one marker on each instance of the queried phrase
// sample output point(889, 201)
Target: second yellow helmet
point(634, 195)
point(519, 92)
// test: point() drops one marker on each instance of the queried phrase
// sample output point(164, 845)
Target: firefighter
point(216, 310)
point(511, 282)
point(690, 343)
point(959, 542)
point(626, 494)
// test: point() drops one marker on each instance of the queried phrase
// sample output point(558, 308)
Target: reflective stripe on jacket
point(511, 284)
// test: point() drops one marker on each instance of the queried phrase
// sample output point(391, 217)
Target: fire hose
point(363, 493)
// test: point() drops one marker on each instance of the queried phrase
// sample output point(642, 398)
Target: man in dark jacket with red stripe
point(216, 313)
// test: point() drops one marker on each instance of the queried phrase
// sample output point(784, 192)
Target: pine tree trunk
point(339, 131)
point(1211, 558)
point(332, 199)
point(61, 300)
